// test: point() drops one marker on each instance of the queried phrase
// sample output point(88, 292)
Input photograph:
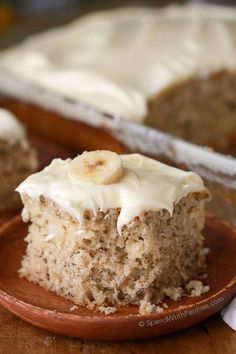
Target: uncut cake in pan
point(172, 68)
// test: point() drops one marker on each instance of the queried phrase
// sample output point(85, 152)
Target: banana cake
point(172, 68)
point(109, 230)
point(17, 159)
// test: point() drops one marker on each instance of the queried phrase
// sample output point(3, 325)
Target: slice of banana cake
point(109, 230)
point(17, 159)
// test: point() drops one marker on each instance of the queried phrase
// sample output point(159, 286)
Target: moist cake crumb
point(73, 308)
point(148, 307)
point(107, 310)
point(197, 288)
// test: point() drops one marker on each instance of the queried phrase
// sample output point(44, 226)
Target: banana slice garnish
point(97, 167)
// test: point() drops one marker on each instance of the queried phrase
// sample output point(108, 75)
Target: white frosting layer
point(146, 185)
point(10, 129)
point(114, 60)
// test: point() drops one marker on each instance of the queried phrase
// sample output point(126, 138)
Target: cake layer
point(202, 111)
point(158, 254)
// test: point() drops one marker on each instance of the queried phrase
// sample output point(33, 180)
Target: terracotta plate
point(47, 310)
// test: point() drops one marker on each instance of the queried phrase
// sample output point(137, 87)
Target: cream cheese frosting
point(115, 60)
point(146, 185)
point(10, 129)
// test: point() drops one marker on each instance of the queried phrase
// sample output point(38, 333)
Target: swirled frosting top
point(146, 185)
point(115, 60)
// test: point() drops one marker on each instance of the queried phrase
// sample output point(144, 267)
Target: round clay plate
point(49, 311)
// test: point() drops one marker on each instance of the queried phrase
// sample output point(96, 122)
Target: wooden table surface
point(212, 336)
